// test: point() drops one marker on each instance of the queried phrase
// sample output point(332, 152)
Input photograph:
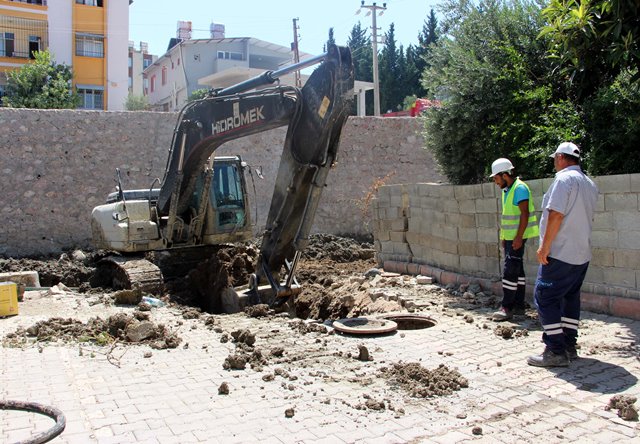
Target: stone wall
point(430, 228)
point(58, 164)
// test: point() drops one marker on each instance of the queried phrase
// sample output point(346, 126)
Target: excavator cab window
point(227, 194)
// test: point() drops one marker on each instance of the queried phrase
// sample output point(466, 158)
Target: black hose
point(49, 411)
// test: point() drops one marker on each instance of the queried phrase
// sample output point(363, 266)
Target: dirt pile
point(625, 405)
point(133, 328)
point(336, 248)
point(73, 269)
point(423, 383)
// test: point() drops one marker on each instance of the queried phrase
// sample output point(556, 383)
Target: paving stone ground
point(172, 396)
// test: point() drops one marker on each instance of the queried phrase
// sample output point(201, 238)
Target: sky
point(155, 21)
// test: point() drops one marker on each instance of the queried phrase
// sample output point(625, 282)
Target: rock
point(139, 331)
point(230, 301)
point(223, 389)
point(372, 272)
point(128, 297)
point(423, 280)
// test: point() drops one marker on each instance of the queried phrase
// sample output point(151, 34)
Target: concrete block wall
point(455, 229)
point(57, 165)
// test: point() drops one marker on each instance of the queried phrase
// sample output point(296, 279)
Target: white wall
point(60, 41)
point(117, 57)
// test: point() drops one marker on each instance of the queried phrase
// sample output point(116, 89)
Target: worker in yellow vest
point(517, 224)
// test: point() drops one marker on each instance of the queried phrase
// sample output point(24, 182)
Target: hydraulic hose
point(33, 407)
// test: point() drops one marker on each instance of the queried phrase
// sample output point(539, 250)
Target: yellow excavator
point(202, 200)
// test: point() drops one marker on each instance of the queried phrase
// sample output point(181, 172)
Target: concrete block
point(397, 200)
point(424, 280)
point(468, 248)
point(450, 206)
point(620, 183)
point(445, 191)
point(489, 266)
point(604, 239)
point(398, 236)
point(401, 248)
point(602, 257)
point(635, 183)
point(487, 206)
point(595, 274)
point(626, 220)
point(468, 234)
point(623, 202)
point(489, 190)
point(447, 261)
point(488, 235)
point(386, 247)
point(466, 192)
point(487, 220)
point(620, 277)
point(629, 240)
point(546, 183)
point(470, 264)
point(467, 206)
point(399, 225)
point(535, 186)
point(467, 221)
point(449, 232)
point(602, 221)
point(413, 225)
point(629, 259)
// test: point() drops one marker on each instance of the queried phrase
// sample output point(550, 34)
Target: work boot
point(519, 311)
point(548, 359)
point(572, 353)
point(504, 314)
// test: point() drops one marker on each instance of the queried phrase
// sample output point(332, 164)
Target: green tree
point(491, 73)
point(419, 54)
point(592, 41)
point(330, 41)
point(362, 56)
point(136, 103)
point(41, 84)
point(198, 94)
point(391, 87)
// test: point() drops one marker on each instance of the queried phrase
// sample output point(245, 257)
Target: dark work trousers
point(513, 282)
point(557, 297)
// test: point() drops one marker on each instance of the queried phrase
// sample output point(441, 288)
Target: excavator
point(202, 200)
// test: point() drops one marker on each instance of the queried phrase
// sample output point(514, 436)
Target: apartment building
point(139, 60)
point(89, 35)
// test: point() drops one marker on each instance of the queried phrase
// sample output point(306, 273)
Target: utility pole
point(373, 11)
point(296, 52)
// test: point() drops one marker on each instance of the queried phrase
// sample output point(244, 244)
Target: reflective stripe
point(552, 326)
point(570, 323)
point(554, 332)
point(515, 226)
point(570, 326)
point(570, 320)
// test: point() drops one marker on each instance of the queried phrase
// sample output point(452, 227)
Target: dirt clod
point(423, 383)
point(289, 413)
point(223, 389)
point(625, 405)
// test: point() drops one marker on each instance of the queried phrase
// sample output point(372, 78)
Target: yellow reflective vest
point(511, 215)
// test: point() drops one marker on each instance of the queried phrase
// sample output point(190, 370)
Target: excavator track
point(121, 272)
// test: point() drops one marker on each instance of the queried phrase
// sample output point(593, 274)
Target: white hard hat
point(501, 165)
point(567, 148)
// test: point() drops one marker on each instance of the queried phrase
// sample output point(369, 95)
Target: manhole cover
point(411, 321)
point(365, 326)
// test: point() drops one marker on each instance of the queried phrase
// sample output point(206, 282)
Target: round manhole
point(411, 321)
point(365, 326)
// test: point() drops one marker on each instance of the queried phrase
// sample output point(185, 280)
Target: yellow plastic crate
point(8, 299)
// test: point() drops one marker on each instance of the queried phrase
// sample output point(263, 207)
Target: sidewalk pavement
point(172, 396)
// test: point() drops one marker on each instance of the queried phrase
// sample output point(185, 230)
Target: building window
point(229, 55)
point(89, 45)
point(130, 82)
point(130, 62)
point(90, 2)
point(145, 85)
point(34, 45)
point(146, 63)
point(164, 75)
point(6, 44)
point(92, 97)
point(153, 83)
